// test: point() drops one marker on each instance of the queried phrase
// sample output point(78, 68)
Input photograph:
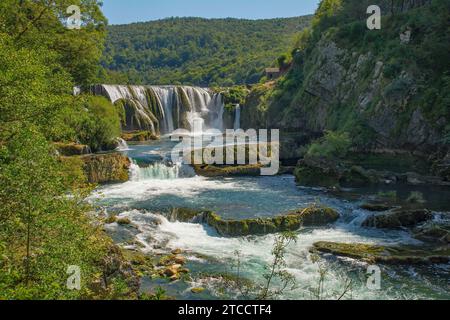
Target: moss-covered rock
point(184, 214)
point(106, 168)
point(110, 219)
point(139, 136)
point(327, 173)
point(227, 171)
point(314, 216)
point(433, 232)
point(72, 149)
point(358, 176)
point(123, 221)
point(386, 255)
point(141, 263)
point(398, 218)
point(317, 174)
point(197, 290)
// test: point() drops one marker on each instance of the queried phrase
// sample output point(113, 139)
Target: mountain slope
point(196, 51)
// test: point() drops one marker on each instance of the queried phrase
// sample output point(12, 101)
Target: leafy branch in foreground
point(319, 293)
point(275, 273)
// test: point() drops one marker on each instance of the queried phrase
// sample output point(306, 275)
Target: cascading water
point(160, 171)
point(157, 188)
point(237, 117)
point(122, 145)
point(166, 108)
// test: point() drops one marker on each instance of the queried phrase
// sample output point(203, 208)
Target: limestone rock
point(398, 218)
point(386, 255)
point(106, 168)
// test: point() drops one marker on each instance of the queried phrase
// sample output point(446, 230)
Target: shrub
point(102, 125)
point(331, 145)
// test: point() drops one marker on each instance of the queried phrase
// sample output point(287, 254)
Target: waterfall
point(162, 109)
point(237, 117)
point(122, 145)
point(160, 171)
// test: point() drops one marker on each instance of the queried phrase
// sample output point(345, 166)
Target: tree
point(41, 23)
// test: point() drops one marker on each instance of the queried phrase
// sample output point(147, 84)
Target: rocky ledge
point(398, 218)
point(404, 255)
point(106, 168)
point(291, 221)
point(138, 136)
point(328, 173)
point(71, 149)
point(227, 171)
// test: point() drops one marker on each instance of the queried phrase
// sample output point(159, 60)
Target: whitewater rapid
point(156, 188)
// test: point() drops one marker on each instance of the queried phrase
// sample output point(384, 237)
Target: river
point(154, 188)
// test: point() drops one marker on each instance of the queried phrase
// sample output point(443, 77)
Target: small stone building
point(273, 73)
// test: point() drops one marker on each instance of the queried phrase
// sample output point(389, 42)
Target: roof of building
point(272, 70)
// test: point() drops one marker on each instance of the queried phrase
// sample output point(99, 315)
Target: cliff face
point(343, 85)
point(388, 88)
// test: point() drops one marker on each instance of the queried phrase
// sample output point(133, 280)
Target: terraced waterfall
point(162, 109)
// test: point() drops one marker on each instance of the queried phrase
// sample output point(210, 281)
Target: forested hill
point(197, 51)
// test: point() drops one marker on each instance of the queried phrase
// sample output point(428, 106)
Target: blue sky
point(127, 11)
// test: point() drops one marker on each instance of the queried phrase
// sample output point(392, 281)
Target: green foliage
point(413, 75)
point(42, 231)
point(32, 89)
point(234, 95)
point(101, 125)
point(219, 52)
point(36, 24)
point(44, 225)
point(331, 146)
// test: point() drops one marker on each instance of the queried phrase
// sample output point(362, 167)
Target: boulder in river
point(433, 232)
point(386, 255)
point(291, 221)
point(228, 171)
point(398, 218)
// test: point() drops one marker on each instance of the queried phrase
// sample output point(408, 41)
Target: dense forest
point(43, 231)
point(196, 51)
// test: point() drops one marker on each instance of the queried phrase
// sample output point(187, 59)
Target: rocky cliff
point(388, 88)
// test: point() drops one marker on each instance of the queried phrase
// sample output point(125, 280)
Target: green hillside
point(197, 51)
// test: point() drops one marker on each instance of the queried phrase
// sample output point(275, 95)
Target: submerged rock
point(376, 207)
point(387, 255)
point(313, 216)
point(106, 168)
point(398, 218)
